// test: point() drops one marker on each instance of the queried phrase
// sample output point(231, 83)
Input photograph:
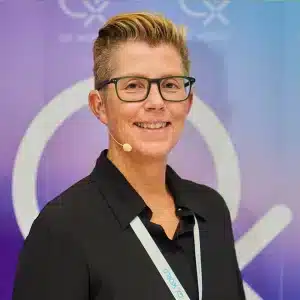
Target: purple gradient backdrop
point(247, 71)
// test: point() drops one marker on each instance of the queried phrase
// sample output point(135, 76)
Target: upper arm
point(229, 247)
point(51, 265)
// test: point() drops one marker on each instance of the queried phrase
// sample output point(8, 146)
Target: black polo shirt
point(82, 247)
point(179, 252)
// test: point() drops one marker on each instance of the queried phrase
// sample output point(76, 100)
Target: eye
point(171, 83)
point(135, 84)
point(131, 86)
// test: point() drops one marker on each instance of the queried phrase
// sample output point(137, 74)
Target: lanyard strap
point(161, 263)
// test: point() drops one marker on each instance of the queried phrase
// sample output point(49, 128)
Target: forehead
point(139, 58)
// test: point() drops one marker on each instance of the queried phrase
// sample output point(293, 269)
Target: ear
point(97, 106)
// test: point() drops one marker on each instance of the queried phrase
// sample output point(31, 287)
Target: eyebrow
point(143, 75)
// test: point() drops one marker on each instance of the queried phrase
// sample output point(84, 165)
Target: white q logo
point(203, 119)
point(93, 11)
point(73, 99)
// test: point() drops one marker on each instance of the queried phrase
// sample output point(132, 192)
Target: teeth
point(152, 125)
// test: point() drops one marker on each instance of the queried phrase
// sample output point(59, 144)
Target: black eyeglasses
point(135, 88)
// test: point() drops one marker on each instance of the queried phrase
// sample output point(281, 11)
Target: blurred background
point(241, 138)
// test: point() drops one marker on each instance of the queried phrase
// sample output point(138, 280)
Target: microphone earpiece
point(126, 147)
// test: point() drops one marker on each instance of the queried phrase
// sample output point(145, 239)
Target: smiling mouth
point(154, 125)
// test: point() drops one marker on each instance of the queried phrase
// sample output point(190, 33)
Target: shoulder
point(208, 193)
point(72, 209)
point(210, 200)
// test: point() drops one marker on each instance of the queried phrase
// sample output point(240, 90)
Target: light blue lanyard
point(162, 265)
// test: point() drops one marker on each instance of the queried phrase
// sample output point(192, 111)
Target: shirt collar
point(126, 203)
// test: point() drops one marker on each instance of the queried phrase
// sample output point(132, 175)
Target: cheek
point(123, 114)
point(179, 111)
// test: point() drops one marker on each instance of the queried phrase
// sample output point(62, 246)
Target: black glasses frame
point(157, 81)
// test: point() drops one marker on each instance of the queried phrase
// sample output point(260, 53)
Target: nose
point(154, 100)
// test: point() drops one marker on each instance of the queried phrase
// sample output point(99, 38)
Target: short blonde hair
point(151, 28)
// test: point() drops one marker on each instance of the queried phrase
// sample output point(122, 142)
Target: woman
point(132, 229)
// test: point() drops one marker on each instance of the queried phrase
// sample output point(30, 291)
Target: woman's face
point(126, 121)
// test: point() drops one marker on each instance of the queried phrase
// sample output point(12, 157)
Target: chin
point(154, 150)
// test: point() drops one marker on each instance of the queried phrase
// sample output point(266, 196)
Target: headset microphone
point(126, 147)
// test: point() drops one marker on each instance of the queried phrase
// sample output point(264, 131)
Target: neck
point(146, 175)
